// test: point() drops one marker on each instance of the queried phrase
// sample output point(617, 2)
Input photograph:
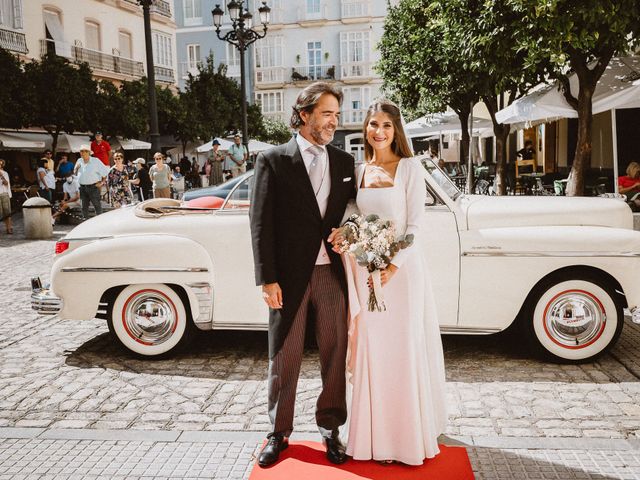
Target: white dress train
point(395, 361)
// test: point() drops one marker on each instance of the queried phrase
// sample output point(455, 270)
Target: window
point(354, 54)
point(356, 100)
point(193, 56)
point(240, 198)
point(270, 102)
point(233, 56)
point(125, 44)
point(92, 35)
point(11, 13)
point(269, 52)
point(162, 53)
point(53, 25)
point(313, 6)
point(314, 57)
point(192, 12)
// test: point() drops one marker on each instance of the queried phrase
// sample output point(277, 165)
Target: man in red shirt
point(101, 149)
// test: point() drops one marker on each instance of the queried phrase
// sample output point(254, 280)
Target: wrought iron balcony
point(164, 74)
point(97, 60)
point(311, 73)
point(161, 7)
point(13, 41)
point(269, 75)
point(355, 70)
point(353, 117)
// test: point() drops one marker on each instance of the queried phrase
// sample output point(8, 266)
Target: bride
point(395, 362)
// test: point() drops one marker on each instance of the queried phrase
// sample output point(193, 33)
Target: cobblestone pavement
point(69, 375)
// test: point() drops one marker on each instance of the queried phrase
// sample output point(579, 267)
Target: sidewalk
point(34, 453)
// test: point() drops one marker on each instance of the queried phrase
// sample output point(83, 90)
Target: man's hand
point(335, 238)
point(272, 294)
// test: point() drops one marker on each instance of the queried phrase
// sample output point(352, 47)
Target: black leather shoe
point(335, 450)
point(271, 451)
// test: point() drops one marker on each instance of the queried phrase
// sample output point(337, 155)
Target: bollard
point(37, 218)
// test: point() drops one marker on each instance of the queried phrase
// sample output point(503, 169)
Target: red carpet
point(307, 461)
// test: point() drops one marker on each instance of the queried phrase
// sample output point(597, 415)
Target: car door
point(238, 302)
point(441, 244)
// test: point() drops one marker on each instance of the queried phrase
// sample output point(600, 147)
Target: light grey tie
point(315, 168)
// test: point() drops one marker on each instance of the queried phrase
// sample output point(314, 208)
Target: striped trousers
point(325, 300)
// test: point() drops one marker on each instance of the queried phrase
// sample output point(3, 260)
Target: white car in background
point(561, 270)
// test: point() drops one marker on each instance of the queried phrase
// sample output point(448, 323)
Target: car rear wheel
point(573, 320)
point(150, 320)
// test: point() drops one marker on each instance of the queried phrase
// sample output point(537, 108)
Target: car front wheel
point(150, 320)
point(573, 320)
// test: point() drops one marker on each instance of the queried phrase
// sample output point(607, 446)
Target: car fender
point(81, 276)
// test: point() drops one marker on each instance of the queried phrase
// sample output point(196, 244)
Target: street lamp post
point(241, 36)
point(154, 134)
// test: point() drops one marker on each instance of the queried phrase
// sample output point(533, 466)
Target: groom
point(301, 190)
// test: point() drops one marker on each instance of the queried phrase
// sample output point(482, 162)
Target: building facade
point(331, 40)
point(107, 34)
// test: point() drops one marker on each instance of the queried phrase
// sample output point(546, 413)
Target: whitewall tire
point(573, 320)
point(150, 320)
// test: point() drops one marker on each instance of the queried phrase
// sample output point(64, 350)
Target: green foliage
point(60, 96)
point(13, 113)
point(275, 132)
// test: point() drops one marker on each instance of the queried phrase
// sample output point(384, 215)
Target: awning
point(20, 141)
point(72, 143)
point(54, 27)
point(446, 123)
point(129, 144)
point(224, 145)
point(619, 87)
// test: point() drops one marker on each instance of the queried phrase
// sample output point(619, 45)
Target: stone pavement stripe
point(115, 460)
point(92, 434)
point(13, 432)
point(546, 443)
point(224, 436)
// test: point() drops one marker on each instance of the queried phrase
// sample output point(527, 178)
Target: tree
point(421, 65)
point(581, 37)
point(215, 103)
point(275, 132)
point(13, 113)
point(122, 110)
point(488, 35)
point(60, 95)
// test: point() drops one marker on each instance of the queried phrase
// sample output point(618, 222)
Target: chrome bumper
point(635, 314)
point(42, 301)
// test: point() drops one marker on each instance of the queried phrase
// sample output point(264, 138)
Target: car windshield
point(441, 178)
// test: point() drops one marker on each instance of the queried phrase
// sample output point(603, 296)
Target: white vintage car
point(562, 270)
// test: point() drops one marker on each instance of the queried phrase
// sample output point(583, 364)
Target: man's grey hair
point(308, 99)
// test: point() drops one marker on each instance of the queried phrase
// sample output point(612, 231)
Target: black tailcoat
point(287, 228)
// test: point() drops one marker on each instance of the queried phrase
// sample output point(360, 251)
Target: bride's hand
point(385, 275)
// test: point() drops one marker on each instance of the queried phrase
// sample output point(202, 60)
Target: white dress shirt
point(322, 197)
point(91, 172)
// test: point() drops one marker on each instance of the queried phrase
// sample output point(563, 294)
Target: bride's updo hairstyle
point(400, 145)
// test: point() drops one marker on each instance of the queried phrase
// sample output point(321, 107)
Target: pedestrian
point(118, 183)
point(217, 158)
point(142, 180)
point(185, 166)
point(206, 172)
point(70, 195)
point(5, 197)
point(48, 156)
point(301, 277)
point(101, 149)
point(64, 167)
point(46, 180)
point(161, 177)
point(91, 174)
point(237, 155)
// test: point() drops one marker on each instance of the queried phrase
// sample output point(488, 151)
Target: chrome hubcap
point(574, 319)
point(150, 318)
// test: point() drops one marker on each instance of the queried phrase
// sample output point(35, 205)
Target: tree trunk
point(582, 158)
point(465, 141)
point(501, 133)
point(184, 148)
point(54, 141)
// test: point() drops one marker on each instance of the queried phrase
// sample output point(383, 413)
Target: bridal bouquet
point(372, 242)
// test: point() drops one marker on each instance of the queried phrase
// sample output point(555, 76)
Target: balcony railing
point(96, 60)
point(13, 41)
point(315, 72)
point(158, 6)
point(164, 74)
point(353, 117)
point(355, 70)
point(186, 68)
point(355, 8)
point(280, 116)
point(270, 75)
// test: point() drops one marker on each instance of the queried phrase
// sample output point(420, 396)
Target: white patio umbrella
point(224, 145)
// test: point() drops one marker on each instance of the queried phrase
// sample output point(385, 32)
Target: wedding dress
point(396, 363)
